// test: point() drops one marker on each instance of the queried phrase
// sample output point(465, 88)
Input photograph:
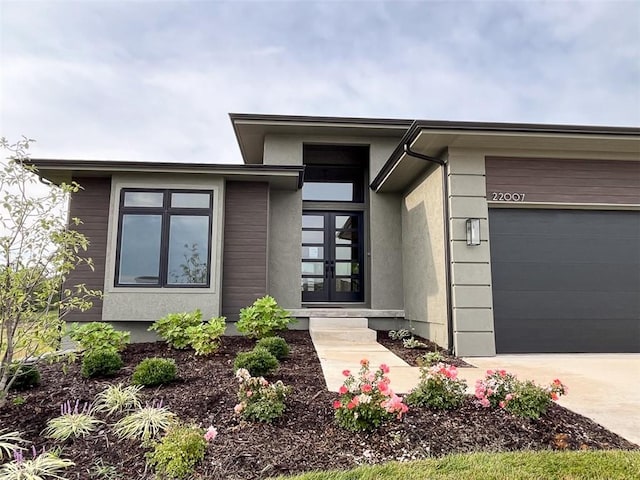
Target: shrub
point(179, 451)
point(173, 327)
point(155, 371)
point(258, 362)
point(72, 422)
point(28, 376)
point(521, 398)
point(260, 400)
point(276, 345)
point(101, 363)
point(430, 358)
point(494, 387)
point(263, 318)
point(399, 334)
point(366, 400)
point(413, 342)
point(146, 423)
point(205, 337)
point(117, 398)
point(98, 336)
point(439, 388)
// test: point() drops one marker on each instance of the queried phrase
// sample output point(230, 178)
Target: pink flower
point(502, 373)
point(489, 392)
point(346, 373)
point(485, 402)
point(366, 388)
point(351, 405)
point(211, 434)
point(508, 397)
point(383, 386)
point(502, 404)
point(336, 404)
point(355, 401)
point(394, 405)
point(554, 396)
point(238, 408)
point(490, 372)
point(249, 393)
point(384, 368)
point(364, 362)
point(343, 390)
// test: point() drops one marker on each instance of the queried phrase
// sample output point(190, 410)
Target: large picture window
point(164, 238)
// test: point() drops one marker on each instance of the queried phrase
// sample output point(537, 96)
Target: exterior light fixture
point(473, 231)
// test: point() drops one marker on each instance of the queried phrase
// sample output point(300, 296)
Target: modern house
point(484, 237)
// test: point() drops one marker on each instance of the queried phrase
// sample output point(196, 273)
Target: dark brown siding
point(91, 205)
point(565, 181)
point(244, 269)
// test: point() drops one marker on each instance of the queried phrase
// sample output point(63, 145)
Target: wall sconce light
point(473, 231)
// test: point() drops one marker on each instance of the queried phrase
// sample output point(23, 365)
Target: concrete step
point(347, 335)
point(338, 322)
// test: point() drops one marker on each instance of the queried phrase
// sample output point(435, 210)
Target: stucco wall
point(384, 265)
point(149, 304)
point(423, 260)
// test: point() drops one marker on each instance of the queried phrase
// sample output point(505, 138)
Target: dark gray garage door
point(565, 280)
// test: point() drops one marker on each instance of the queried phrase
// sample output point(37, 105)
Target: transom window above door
point(332, 183)
point(164, 238)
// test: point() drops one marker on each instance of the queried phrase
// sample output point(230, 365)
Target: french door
point(332, 256)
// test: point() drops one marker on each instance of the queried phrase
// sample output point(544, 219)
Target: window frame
point(166, 212)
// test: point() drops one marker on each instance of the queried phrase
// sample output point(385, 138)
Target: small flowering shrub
point(520, 398)
point(178, 452)
point(259, 400)
point(366, 400)
point(494, 387)
point(72, 422)
point(276, 345)
point(258, 362)
point(155, 371)
point(439, 388)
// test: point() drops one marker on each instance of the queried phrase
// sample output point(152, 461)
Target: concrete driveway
point(602, 387)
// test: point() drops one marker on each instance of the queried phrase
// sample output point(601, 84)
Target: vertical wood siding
point(244, 269)
point(565, 181)
point(91, 206)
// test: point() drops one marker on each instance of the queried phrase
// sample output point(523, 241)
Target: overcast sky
point(155, 80)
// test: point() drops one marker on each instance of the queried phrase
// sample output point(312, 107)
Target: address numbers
point(507, 196)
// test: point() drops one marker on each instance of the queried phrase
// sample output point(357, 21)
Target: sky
point(155, 80)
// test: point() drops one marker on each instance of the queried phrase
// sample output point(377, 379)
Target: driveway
point(603, 387)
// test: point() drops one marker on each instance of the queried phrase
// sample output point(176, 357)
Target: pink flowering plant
point(259, 400)
point(520, 398)
point(366, 400)
point(439, 388)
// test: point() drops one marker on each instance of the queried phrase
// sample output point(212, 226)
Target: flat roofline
point(274, 119)
point(464, 128)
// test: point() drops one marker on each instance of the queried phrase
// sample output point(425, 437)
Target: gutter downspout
point(447, 234)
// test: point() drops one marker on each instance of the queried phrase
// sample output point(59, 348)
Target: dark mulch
point(305, 438)
point(413, 355)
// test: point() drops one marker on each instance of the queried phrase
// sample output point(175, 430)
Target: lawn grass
point(40, 348)
point(610, 465)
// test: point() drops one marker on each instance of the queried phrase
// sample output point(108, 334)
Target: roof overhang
point(434, 138)
point(282, 177)
point(251, 129)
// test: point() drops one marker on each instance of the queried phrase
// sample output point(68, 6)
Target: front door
point(332, 257)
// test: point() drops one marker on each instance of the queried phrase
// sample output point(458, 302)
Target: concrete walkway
point(603, 387)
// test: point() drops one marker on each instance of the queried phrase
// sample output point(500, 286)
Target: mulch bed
point(413, 356)
point(304, 439)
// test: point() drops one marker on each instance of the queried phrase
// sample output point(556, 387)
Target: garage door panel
point(520, 307)
point(565, 280)
point(542, 335)
point(584, 277)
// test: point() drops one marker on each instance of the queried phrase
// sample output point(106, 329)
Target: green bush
point(205, 337)
point(263, 318)
point(98, 336)
point(101, 363)
point(179, 451)
point(439, 388)
point(259, 400)
point(155, 371)
point(276, 345)
point(528, 401)
point(173, 327)
point(258, 362)
point(28, 376)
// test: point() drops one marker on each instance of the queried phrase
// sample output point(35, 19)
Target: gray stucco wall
point(424, 267)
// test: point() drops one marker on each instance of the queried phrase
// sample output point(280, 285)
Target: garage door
point(565, 280)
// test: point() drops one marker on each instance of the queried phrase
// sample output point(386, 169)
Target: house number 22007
point(507, 197)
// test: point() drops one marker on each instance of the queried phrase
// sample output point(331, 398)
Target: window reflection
point(328, 192)
point(140, 249)
point(188, 249)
